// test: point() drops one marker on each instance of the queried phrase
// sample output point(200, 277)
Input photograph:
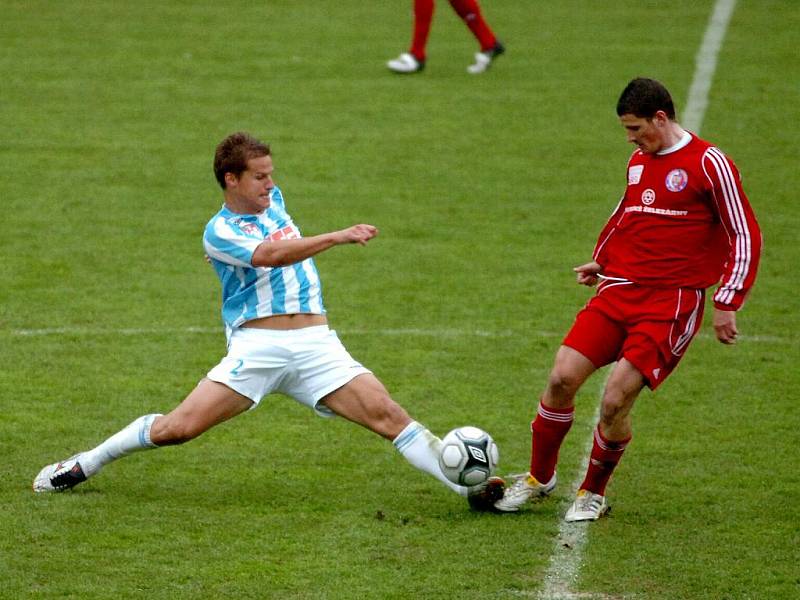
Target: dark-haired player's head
point(233, 153)
point(643, 98)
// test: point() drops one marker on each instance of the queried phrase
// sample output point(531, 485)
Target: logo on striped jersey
point(250, 229)
point(287, 233)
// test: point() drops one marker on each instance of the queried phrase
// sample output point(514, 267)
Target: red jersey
point(684, 222)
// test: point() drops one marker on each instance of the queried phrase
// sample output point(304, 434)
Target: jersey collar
point(682, 143)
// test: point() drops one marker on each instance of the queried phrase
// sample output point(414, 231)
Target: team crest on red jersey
point(676, 180)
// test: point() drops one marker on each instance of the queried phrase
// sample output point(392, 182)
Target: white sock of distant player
point(421, 448)
point(132, 438)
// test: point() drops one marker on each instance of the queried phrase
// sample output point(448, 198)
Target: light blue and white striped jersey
point(250, 292)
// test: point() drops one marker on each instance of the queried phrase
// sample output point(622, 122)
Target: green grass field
point(487, 190)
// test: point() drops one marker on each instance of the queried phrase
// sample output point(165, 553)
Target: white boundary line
point(410, 332)
point(567, 555)
point(706, 64)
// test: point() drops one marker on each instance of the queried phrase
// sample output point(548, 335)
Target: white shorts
point(306, 364)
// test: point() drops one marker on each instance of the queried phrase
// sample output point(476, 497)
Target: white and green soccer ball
point(469, 456)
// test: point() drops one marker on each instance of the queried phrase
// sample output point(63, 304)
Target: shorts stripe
point(691, 324)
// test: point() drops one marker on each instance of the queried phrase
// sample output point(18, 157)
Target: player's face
point(648, 134)
point(252, 189)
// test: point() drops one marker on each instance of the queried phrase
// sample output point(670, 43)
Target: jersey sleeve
point(605, 234)
point(610, 227)
point(741, 227)
point(228, 244)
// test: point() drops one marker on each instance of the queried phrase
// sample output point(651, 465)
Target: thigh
point(209, 404)
point(364, 400)
point(570, 370)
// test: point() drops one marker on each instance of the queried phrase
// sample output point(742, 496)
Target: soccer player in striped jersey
point(469, 11)
point(278, 335)
point(683, 225)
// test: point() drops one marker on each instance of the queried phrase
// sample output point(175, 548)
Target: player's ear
point(661, 117)
point(230, 179)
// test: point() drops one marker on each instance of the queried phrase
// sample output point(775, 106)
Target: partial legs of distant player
point(469, 11)
point(364, 400)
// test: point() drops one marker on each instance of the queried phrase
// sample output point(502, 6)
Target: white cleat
point(587, 507)
point(59, 476)
point(406, 63)
point(525, 488)
point(483, 60)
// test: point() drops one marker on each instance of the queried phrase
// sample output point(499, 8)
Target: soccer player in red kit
point(413, 61)
point(683, 225)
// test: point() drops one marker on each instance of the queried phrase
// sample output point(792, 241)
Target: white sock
point(421, 448)
point(132, 438)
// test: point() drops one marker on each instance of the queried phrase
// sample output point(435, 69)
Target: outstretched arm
point(279, 253)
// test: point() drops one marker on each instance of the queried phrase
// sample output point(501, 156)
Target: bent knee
point(563, 385)
point(614, 408)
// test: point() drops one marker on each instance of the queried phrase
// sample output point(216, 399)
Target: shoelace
point(520, 482)
point(588, 502)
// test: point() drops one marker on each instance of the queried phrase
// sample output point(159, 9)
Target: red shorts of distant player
point(650, 327)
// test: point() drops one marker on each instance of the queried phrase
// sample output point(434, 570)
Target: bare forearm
point(281, 253)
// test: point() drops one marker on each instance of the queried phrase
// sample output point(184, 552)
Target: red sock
point(423, 15)
point(548, 430)
point(470, 13)
point(604, 458)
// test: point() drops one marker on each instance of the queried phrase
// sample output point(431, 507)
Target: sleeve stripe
point(735, 211)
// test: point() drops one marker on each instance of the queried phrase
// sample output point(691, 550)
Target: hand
point(358, 234)
point(725, 326)
point(587, 274)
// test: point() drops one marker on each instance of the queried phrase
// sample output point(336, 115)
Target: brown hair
point(644, 97)
point(233, 153)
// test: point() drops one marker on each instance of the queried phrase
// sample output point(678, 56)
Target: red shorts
point(650, 327)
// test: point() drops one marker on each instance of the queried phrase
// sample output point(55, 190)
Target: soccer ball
point(469, 456)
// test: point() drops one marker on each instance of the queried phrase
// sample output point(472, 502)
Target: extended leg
point(207, 405)
point(364, 400)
